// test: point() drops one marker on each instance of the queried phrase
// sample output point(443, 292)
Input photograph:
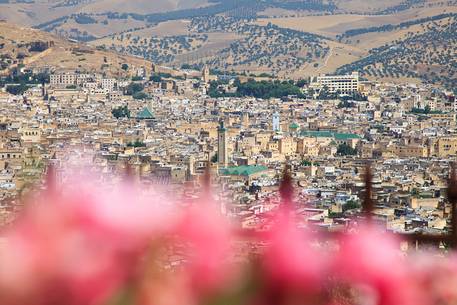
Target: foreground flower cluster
point(85, 245)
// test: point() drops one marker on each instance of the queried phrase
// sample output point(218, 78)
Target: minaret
point(245, 120)
point(154, 68)
point(276, 122)
point(222, 153)
point(205, 74)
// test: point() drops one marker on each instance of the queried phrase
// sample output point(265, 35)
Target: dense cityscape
point(228, 152)
point(168, 130)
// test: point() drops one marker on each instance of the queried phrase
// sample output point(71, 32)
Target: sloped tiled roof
point(145, 114)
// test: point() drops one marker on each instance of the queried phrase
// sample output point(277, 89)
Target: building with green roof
point(338, 138)
point(346, 136)
point(329, 134)
point(145, 114)
point(244, 172)
point(294, 126)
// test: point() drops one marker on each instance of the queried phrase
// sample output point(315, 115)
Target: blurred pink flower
point(437, 276)
point(207, 236)
point(84, 245)
point(171, 288)
point(79, 246)
point(289, 259)
point(126, 216)
point(371, 258)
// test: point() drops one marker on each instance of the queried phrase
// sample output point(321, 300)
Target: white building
point(276, 122)
point(63, 79)
point(108, 84)
point(141, 72)
point(70, 79)
point(90, 85)
point(336, 83)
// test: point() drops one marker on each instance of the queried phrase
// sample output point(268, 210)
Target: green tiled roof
point(329, 134)
point(293, 126)
point(244, 170)
point(145, 114)
point(346, 136)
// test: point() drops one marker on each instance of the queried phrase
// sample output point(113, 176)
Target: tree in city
point(137, 143)
point(351, 205)
point(214, 158)
point(17, 89)
point(140, 95)
point(156, 78)
point(346, 150)
point(121, 112)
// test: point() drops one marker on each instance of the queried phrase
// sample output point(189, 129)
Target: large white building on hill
point(336, 83)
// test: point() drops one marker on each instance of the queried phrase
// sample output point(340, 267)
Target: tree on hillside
point(133, 88)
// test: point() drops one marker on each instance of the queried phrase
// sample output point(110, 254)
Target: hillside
point(246, 47)
point(40, 11)
point(293, 38)
point(20, 46)
point(294, 46)
point(429, 54)
point(353, 38)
